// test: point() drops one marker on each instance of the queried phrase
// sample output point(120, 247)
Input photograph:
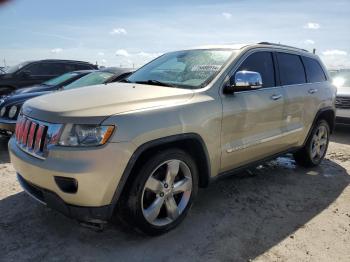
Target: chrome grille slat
point(342, 102)
point(34, 136)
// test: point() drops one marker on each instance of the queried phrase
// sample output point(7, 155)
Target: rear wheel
point(316, 146)
point(162, 192)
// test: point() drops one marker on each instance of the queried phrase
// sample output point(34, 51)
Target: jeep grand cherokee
point(142, 148)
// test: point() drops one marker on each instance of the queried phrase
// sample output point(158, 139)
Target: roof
point(61, 60)
point(240, 46)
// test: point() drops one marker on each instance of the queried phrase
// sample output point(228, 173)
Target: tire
point(150, 204)
point(316, 146)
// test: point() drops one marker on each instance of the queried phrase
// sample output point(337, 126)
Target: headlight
point(3, 111)
point(85, 135)
point(13, 111)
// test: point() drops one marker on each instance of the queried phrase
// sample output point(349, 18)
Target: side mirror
point(244, 80)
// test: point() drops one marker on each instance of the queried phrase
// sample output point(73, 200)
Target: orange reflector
point(107, 135)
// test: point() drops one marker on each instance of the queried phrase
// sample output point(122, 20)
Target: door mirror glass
point(247, 80)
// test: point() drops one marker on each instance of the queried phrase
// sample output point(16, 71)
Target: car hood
point(91, 105)
point(20, 98)
point(35, 88)
point(343, 91)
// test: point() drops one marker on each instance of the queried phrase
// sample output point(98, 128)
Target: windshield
point(13, 69)
point(94, 78)
point(186, 69)
point(341, 78)
point(60, 79)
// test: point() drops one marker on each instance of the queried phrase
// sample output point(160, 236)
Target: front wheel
point(162, 192)
point(316, 146)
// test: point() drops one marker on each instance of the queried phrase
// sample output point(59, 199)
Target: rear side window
point(262, 63)
point(291, 69)
point(314, 71)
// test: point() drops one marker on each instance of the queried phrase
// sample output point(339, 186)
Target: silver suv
point(142, 148)
point(341, 79)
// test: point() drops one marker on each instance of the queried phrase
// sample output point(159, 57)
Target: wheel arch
point(327, 114)
point(192, 143)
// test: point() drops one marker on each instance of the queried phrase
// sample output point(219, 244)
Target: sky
point(131, 33)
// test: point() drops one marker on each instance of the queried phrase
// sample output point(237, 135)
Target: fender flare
point(319, 112)
point(151, 144)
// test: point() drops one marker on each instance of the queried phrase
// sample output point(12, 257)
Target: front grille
point(34, 136)
point(342, 102)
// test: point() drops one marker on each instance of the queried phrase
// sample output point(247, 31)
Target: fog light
point(66, 184)
point(13, 111)
point(2, 111)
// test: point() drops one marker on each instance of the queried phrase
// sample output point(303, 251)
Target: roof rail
point(288, 46)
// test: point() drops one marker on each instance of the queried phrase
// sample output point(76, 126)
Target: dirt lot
point(279, 212)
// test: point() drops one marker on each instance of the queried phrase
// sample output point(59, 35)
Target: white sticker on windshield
point(205, 68)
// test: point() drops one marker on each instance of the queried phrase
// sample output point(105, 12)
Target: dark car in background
point(36, 72)
point(341, 79)
point(54, 83)
point(11, 105)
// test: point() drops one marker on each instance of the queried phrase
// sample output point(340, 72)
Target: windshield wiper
point(155, 82)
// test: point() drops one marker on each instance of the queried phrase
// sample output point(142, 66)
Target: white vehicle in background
point(341, 79)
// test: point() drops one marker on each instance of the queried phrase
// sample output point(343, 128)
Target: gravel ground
point(277, 212)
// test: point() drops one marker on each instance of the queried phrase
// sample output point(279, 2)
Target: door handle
point(312, 91)
point(276, 97)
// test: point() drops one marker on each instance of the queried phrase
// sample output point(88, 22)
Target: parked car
point(145, 146)
point(36, 72)
point(54, 83)
point(341, 79)
point(10, 106)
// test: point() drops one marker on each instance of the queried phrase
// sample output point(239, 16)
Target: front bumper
point(97, 171)
point(8, 125)
point(52, 200)
point(343, 116)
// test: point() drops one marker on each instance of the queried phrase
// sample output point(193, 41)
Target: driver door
point(252, 119)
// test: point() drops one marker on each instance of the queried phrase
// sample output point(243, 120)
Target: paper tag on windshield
point(205, 68)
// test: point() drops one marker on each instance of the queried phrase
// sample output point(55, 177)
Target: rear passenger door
point(297, 99)
point(251, 124)
point(318, 88)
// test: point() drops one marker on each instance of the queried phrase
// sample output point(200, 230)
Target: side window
point(57, 69)
point(39, 69)
point(262, 63)
point(291, 69)
point(82, 67)
point(314, 71)
point(68, 68)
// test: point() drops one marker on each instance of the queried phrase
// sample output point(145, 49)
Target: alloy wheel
point(319, 143)
point(166, 192)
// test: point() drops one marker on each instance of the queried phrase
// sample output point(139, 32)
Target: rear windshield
point(13, 69)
